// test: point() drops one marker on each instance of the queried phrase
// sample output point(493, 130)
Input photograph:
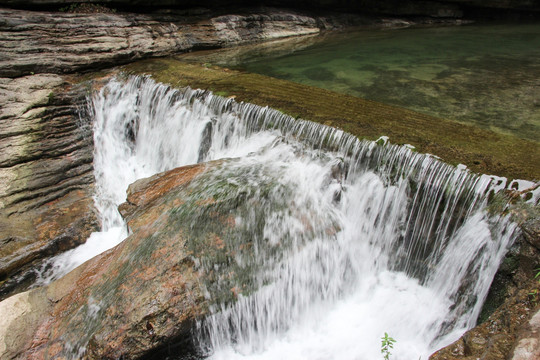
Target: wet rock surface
point(148, 291)
point(512, 329)
point(137, 296)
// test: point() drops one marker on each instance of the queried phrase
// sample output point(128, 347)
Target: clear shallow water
point(353, 240)
point(485, 74)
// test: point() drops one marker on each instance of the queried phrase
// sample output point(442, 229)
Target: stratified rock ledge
point(60, 43)
point(46, 173)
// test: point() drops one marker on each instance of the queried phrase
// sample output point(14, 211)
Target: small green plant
point(387, 343)
point(533, 294)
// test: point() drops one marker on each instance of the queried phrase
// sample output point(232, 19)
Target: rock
point(528, 343)
point(515, 296)
point(236, 28)
point(46, 172)
point(135, 297)
point(142, 194)
point(22, 312)
point(57, 42)
point(531, 232)
point(188, 252)
point(148, 291)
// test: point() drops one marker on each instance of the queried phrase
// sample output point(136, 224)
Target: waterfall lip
point(398, 210)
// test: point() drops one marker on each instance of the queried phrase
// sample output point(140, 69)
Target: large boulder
point(148, 291)
point(133, 298)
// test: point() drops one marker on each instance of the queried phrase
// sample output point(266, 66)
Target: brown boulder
point(149, 290)
point(130, 299)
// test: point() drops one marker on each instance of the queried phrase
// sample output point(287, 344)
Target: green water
point(485, 74)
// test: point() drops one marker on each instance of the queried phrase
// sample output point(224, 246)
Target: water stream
point(357, 238)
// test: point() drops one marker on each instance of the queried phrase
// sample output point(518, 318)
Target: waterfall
point(355, 240)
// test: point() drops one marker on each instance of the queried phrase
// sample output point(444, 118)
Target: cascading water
point(350, 239)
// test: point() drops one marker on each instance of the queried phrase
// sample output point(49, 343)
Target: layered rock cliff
point(45, 173)
point(60, 43)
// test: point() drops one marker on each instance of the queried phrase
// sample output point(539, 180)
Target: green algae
point(222, 244)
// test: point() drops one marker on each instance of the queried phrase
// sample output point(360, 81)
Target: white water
point(372, 239)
